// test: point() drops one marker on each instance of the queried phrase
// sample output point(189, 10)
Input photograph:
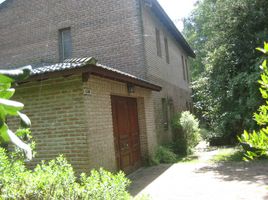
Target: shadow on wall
point(145, 176)
point(252, 172)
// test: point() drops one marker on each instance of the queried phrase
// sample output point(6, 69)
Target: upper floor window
point(65, 44)
point(183, 68)
point(187, 70)
point(158, 42)
point(166, 49)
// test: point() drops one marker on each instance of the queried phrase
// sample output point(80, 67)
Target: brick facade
point(168, 75)
point(120, 34)
point(65, 120)
point(56, 109)
point(108, 30)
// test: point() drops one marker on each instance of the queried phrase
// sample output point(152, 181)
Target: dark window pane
point(183, 68)
point(166, 49)
point(158, 42)
point(65, 41)
point(187, 72)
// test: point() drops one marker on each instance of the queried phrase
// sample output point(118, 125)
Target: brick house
point(80, 108)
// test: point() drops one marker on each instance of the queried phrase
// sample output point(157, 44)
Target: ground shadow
point(144, 176)
point(252, 172)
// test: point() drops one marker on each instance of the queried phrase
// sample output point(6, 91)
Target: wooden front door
point(126, 133)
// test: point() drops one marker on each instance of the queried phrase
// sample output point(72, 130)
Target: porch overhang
point(87, 67)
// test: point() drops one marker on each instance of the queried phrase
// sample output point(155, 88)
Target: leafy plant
point(255, 144)
point(165, 155)
point(186, 132)
point(56, 180)
point(12, 108)
point(206, 134)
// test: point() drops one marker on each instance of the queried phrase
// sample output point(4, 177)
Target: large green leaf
point(11, 107)
point(2, 114)
point(25, 121)
point(261, 50)
point(17, 74)
point(7, 94)
point(19, 143)
point(4, 138)
point(266, 46)
point(4, 79)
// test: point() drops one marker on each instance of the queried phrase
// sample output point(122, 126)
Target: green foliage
point(256, 143)
point(165, 155)
point(12, 108)
point(225, 72)
point(186, 132)
point(228, 155)
point(18, 153)
point(56, 180)
point(206, 134)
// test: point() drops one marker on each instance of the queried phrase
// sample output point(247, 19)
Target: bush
point(56, 180)
point(255, 144)
point(186, 132)
point(164, 155)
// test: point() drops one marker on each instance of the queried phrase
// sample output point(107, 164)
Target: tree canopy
point(224, 34)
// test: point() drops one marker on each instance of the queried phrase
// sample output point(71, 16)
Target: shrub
point(256, 144)
point(207, 134)
point(56, 180)
point(165, 155)
point(186, 132)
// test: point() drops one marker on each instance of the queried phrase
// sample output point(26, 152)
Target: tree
point(225, 73)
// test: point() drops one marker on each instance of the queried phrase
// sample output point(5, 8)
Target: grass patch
point(188, 159)
point(228, 155)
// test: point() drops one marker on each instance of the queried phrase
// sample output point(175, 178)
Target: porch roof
point(88, 66)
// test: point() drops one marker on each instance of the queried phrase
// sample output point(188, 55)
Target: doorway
point(126, 133)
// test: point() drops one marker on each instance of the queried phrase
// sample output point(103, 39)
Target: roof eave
point(158, 10)
point(97, 71)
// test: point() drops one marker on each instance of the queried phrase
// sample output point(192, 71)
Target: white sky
point(176, 9)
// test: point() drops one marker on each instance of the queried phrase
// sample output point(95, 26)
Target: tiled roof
point(89, 63)
point(67, 64)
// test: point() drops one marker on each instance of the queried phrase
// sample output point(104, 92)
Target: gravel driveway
point(203, 180)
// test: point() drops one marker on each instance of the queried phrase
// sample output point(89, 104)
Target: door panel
point(126, 133)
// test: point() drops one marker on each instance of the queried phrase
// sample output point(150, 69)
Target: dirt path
point(203, 180)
